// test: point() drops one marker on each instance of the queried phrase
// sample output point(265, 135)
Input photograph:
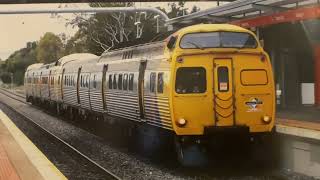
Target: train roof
point(76, 57)
point(137, 51)
point(34, 66)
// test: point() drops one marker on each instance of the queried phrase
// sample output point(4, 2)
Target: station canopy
point(79, 1)
point(241, 10)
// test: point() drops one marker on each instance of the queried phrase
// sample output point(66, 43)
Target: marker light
point(266, 119)
point(181, 122)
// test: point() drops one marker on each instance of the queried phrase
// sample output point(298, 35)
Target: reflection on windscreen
point(218, 40)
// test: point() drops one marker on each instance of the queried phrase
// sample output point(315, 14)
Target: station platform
point(303, 113)
point(300, 121)
point(20, 158)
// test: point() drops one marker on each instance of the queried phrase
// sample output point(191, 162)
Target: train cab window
point(125, 81)
point(114, 82)
point(110, 81)
point(153, 82)
point(190, 80)
point(160, 83)
point(120, 82)
point(131, 77)
point(223, 79)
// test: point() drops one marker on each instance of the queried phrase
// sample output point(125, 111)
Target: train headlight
point(181, 122)
point(266, 119)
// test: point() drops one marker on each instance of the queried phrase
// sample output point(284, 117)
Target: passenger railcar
point(202, 81)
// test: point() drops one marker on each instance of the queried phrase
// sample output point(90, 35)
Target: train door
point(103, 86)
point(142, 68)
point(33, 85)
point(49, 85)
point(61, 83)
point(223, 92)
point(40, 85)
point(78, 85)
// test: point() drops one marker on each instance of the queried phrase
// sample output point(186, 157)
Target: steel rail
point(109, 173)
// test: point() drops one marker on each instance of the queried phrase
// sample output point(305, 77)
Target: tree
point(50, 48)
point(102, 32)
point(17, 63)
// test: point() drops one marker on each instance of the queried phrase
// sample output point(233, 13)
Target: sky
point(17, 30)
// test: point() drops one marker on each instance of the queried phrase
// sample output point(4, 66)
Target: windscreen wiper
point(196, 45)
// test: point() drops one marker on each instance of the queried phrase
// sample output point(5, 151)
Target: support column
point(316, 52)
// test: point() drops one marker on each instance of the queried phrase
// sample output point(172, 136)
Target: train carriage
point(204, 80)
point(30, 80)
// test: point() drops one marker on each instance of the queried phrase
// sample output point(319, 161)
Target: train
point(201, 81)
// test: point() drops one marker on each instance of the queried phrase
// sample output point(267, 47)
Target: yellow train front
point(222, 84)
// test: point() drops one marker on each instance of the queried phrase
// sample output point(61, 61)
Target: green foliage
point(76, 44)
point(5, 77)
point(17, 63)
point(50, 48)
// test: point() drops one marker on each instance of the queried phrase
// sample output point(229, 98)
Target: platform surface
point(20, 158)
point(302, 113)
point(301, 121)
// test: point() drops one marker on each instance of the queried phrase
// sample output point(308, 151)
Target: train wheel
point(191, 154)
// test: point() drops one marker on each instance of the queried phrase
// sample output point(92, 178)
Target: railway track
point(108, 174)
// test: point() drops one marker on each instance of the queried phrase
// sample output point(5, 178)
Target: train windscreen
point(218, 40)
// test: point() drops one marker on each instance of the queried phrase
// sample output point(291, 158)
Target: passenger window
point(160, 83)
point(114, 82)
point(110, 81)
point(87, 81)
point(152, 82)
point(81, 81)
point(125, 81)
point(131, 77)
point(94, 82)
point(191, 80)
point(120, 82)
point(223, 79)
